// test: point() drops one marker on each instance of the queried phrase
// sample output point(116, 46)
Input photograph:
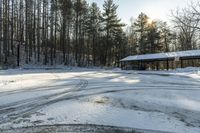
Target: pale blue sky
point(155, 9)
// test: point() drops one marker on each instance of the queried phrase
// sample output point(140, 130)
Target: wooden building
point(165, 61)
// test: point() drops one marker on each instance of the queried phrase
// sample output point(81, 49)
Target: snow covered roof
point(160, 56)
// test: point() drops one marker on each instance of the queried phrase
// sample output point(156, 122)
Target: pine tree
point(111, 23)
point(38, 29)
point(52, 29)
point(119, 50)
point(141, 26)
point(153, 39)
point(94, 26)
point(5, 29)
point(166, 35)
point(1, 27)
point(66, 6)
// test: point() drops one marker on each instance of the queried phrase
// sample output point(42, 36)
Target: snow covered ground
point(142, 101)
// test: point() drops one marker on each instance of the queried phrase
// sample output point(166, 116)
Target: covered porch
point(162, 61)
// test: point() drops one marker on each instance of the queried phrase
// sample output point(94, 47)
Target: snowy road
point(140, 101)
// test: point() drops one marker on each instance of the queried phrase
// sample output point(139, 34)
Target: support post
point(138, 65)
point(157, 66)
point(167, 65)
point(121, 65)
point(181, 63)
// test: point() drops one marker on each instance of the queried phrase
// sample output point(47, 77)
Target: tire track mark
point(19, 109)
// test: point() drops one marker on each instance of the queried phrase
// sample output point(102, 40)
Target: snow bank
point(189, 69)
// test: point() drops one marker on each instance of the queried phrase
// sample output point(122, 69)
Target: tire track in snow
point(80, 128)
point(26, 107)
point(55, 74)
point(16, 105)
point(29, 107)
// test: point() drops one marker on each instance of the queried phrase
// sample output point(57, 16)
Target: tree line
point(73, 32)
point(69, 32)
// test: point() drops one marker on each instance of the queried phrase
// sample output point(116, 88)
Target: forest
point(76, 33)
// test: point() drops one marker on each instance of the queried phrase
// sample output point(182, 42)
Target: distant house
point(170, 60)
